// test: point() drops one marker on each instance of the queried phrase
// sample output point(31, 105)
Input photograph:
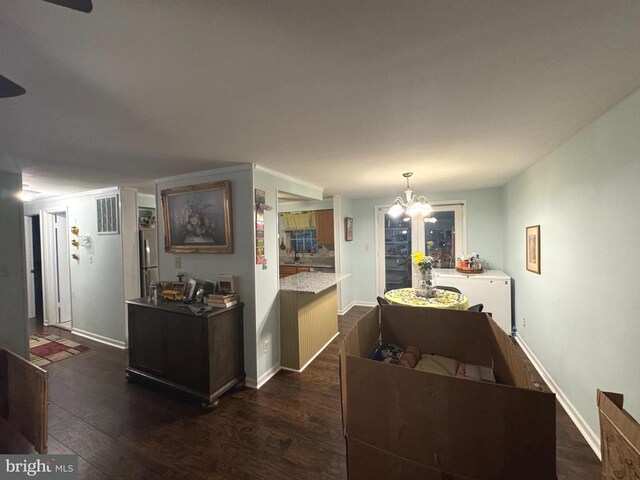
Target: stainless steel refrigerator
point(148, 260)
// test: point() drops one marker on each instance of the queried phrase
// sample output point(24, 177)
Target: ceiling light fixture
point(26, 194)
point(412, 205)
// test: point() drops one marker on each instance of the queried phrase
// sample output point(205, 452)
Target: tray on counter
point(464, 270)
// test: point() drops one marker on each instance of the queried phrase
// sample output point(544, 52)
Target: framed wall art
point(533, 248)
point(348, 229)
point(197, 218)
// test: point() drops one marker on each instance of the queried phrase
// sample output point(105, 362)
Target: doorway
point(398, 237)
point(33, 254)
point(56, 269)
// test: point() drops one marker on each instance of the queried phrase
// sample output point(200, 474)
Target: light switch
point(178, 262)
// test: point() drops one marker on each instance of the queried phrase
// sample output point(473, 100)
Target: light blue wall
point(13, 311)
point(484, 234)
point(209, 266)
point(258, 287)
point(267, 281)
point(97, 287)
point(582, 311)
point(344, 207)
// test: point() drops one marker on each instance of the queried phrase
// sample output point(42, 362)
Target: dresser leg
point(209, 406)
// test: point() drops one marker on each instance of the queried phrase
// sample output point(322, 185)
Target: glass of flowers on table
point(426, 285)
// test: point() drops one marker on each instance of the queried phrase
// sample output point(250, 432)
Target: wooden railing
point(23, 399)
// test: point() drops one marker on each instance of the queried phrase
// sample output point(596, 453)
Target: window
point(398, 238)
point(303, 241)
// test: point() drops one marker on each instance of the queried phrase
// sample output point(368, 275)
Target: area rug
point(45, 348)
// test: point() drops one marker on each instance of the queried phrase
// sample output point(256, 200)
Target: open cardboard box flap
point(619, 438)
point(424, 422)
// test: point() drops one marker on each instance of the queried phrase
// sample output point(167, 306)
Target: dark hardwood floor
point(289, 429)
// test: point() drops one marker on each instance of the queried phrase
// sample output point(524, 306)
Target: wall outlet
point(524, 321)
point(178, 262)
point(266, 345)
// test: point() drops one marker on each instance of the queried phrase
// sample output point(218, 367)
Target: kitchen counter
point(303, 263)
point(311, 282)
point(309, 261)
point(308, 316)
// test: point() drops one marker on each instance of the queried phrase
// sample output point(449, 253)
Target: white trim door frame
point(56, 276)
point(417, 235)
point(28, 254)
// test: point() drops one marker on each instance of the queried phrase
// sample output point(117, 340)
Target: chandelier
point(412, 205)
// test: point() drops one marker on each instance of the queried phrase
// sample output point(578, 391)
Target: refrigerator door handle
point(147, 253)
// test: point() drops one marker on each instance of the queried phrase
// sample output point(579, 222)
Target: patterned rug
point(45, 348)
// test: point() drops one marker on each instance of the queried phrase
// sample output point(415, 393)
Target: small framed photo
point(533, 249)
point(190, 289)
point(348, 229)
point(209, 287)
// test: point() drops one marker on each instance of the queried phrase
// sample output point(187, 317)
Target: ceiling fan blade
point(9, 88)
point(81, 5)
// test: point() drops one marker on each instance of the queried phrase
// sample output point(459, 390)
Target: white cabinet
point(491, 288)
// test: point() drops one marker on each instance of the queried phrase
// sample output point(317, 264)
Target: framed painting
point(533, 248)
point(348, 229)
point(197, 218)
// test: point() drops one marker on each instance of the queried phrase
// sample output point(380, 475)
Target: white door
point(28, 251)
point(55, 267)
point(63, 264)
point(398, 237)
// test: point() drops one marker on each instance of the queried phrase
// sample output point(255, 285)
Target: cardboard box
point(619, 438)
point(405, 423)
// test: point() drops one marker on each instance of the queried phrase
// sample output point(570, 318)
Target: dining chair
point(475, 308)
point(382, 301)
point(451, 289)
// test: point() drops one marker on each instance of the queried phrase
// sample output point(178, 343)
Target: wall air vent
point(108, 220)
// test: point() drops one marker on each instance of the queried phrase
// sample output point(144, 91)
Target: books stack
point(221, 301)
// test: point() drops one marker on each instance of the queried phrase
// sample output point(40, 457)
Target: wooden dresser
point(200, 355)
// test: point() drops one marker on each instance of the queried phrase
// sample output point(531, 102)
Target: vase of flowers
point(425, 284)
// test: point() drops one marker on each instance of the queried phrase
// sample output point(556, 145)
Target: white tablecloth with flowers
point(443, 299)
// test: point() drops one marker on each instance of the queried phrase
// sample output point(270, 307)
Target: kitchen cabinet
point(286, 270)
point(491, 288)
point(324, 226)
point(199, 355)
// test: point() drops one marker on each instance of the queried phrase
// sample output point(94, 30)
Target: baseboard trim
point(99, 338)
point(312, 358)
point(364, 304)
point(589, 435)
point(346, 309)
point(266, 376)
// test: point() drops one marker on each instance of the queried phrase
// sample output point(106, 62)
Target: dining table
point(444, 299)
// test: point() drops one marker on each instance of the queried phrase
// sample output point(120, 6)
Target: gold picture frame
point(532, 248)
point(197, 218)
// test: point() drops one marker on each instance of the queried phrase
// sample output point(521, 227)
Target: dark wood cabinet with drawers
point(201, 355)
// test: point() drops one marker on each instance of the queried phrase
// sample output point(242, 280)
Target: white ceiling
point(345, 94)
